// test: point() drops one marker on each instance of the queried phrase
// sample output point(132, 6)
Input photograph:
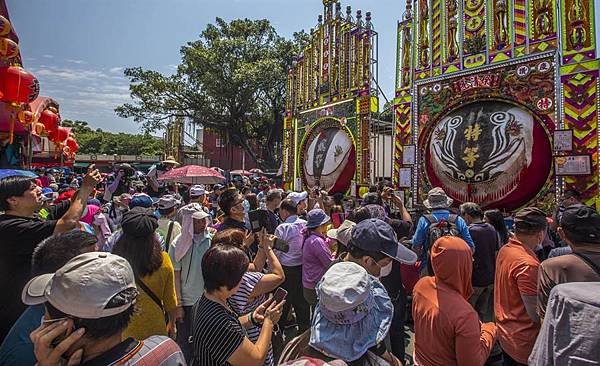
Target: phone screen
point(280, 295)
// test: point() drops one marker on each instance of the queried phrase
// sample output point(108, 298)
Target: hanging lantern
point(50, 120)
point(26, 117)
point(8, 48)
point(18, 85)
point(39, 128)
point(5, 26)
point(72, 144)
point(59, 135)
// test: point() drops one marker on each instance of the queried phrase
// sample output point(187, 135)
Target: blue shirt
point(17, 348)
point(420, 238)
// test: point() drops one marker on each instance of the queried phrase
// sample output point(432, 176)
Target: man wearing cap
point(373, 245)
point(155, 188)
point(301, 201)
point(186, 253)
point(168, 228)
point(21, 231)
point(91, 300)
point(438, 202)
point(290, 232)
point(580, 229)
point(515, 286)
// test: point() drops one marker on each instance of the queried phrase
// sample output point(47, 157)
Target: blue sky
point(78, 48)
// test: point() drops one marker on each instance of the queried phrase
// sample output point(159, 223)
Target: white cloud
point(47, 56)
point(116, 70)
point(63, 73)
point(78, 62)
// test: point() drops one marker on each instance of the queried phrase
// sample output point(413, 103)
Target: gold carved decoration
point(424, 34)
point(543, 18)
point(501, 35)
point(452, 30)
point(577, 23)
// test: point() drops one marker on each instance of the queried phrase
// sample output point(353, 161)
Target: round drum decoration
point(493, 153)
point(328, 158)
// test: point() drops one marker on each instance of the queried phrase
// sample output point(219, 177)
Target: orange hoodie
point(447, 329)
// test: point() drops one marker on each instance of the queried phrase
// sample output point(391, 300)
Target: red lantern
point(72, 144)
point(5, 26)
point(50, 120)
point(59, 135)
point(39, 129)
point(8, 48)
point(26, 117)
point(18, 85)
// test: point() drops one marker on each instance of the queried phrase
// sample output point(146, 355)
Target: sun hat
point(199, 215)
point(342, 233)
point(354, 312)
point(315, 218)
point(437, 198)
point(167, 201)
point(170, 160)
point(297, 197)
point(83, 287)
point(374, 235)
point(582, 223)
point(197, 190)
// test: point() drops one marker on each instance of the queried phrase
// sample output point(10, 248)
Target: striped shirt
point(217, 333)
point(241, 305)
point(152, 351)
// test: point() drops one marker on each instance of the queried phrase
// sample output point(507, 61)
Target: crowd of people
point(129, 270)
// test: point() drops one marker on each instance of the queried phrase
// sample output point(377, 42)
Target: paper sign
point(405, 179)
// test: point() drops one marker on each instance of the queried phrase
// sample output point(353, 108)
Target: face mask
point(386, 270)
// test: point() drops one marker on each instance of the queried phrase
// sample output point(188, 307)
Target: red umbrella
point(241, 172)
point(193, 174)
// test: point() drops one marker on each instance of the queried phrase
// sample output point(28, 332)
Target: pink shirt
point(316, 259)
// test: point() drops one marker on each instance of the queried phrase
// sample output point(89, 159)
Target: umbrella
point(13, 172)
point(256, 171)
point(193, 174)
point(240, 172)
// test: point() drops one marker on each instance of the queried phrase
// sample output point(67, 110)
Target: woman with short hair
point(219, 333)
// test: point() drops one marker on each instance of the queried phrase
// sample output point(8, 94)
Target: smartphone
point(279, 295)
point(259, 219)
point(281, 245)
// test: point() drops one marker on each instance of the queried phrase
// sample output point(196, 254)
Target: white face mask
point(386, 270)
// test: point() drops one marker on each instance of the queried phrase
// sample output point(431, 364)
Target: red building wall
point(225, 156)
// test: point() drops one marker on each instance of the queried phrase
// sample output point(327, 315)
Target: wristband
point(252, 320)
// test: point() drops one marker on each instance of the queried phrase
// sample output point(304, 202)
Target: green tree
point(103, 142)
point(232, 81)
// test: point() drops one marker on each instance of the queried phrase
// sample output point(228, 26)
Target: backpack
point(438, 229)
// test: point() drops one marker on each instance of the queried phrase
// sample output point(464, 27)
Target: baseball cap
point(374, 235)
point(217, 187)
point(531, 216)
point(298, 197)
point(167, 201)
point(141, 200)
point(84, 286)
point(342, 233)
point(199, 215)
point(582, 223)
point(197, 190)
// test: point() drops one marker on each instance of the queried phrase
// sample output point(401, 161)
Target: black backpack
point(438, 229)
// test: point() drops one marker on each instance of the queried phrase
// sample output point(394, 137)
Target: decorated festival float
point(497, 101)
point(30, 131)
point(330, 135)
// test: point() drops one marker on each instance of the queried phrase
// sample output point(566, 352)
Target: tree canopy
point(103, 142)
point(232, 80)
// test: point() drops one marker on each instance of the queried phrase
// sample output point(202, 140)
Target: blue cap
point(141, 201)
point(315, 218)
point(374, 235)
point(47, 190)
